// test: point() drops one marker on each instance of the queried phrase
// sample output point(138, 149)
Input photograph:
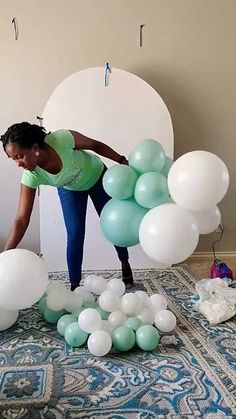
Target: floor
point(201, 266)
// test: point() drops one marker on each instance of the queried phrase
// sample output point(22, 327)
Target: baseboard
point(209, 255)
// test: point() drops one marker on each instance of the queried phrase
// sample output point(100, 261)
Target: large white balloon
point(198, 180)
point(168, 233)
point(23, 279)
point(208, 221)
point(99, 343)
point(146, 316)
point(7, 318)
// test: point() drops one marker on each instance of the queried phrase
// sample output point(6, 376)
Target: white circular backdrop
point(121, 114)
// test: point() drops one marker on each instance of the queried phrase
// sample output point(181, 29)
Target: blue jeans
point(74, 206)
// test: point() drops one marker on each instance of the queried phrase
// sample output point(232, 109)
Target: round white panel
point(121, 114)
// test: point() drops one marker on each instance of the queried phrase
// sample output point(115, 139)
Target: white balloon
point(117, 286)
point(88, 281)
point(107, 327)
point(55, 286)
point(98, 285)
point(157, 302)
point(7, 318)
point(56, 299)
point(90, 320)
point(73, 301)
point(198, 180)
point(131, 303)
point(208, 221)
point(99, 343)
point(23, 279)
point(168, 233)
point(146, 316)
point(109, 301)
point(86, 296)
point(117, 318)
point(165, 321)
point(144, 297)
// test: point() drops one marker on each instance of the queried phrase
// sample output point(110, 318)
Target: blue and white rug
point(190, 375)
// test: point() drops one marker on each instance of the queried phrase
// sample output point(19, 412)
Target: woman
point(61, 159)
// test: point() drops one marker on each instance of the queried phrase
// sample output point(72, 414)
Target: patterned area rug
point(190, 375)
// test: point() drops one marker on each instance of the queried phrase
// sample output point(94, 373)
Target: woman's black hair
point(24, 134)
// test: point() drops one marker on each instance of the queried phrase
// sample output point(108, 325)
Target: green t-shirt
point(80, 169)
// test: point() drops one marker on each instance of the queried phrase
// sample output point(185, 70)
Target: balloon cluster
point(161, 204)
point(101, 313)
point(23, 281)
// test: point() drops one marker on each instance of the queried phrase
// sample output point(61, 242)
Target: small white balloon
point(131, 304)
point(117, 286)
point(55, 286)
point(88, 297)
point(98, 285)
point(109, 301)
point(56, 299)
point(165, 321)
point(107, 327)
point(117, 318)
point(7, 318)
point(73, 301)
point(146, 316)
point(157, 302)
point(88, 281)
point(90, 320)
point(208, 221)
point(99, 343)
point(144, 297)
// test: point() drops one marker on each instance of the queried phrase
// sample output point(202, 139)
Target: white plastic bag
point(217, 301)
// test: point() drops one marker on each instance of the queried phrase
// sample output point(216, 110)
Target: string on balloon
point(217, 241)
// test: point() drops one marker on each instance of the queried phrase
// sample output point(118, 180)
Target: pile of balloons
point(23, 281)
point(161, 204)
point(101, 313)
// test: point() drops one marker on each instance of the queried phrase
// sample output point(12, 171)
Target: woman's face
point(27, 158)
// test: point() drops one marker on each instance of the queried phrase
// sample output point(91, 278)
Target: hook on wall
point(15, 26)
point(107, 73)
point(40, 119)
point(141, 35)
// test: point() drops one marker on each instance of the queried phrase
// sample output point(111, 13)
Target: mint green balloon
point(119, 181)
point(76, 312)
point(63, 322)
point(90, 304)
point(120, 221)
point(147, 156)
point(104, 314)
point(75, 336)
point(123, 338)
point(166, 168)
point(133, 323)
point(151, 190)
point(52, 316)
point(42, 304)
point(147, 337)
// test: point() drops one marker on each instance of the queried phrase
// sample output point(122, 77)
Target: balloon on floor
point(115, 319)
point(23, 281)
point(179, 201)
